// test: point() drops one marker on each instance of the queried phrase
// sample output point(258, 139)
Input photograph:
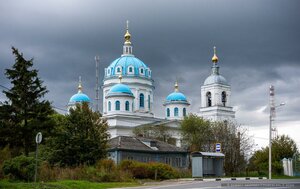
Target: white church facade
point(128, 94)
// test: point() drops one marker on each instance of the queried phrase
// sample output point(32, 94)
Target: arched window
point(168, 112)
point(109, 106)
point(224, 98)
point(208, 99)
point(142, 100)
point(142, 71)
point(184, 112)
point(130, 69)
point(118, 69)
point(149, 102)
point(117, 105)
point(127, 106)
point(176, 112)
point(108, 71)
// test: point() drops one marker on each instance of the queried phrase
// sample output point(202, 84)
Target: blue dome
point(120, 89)
point(176, 96)
point(130, 66)
point(79, 97)
point(215, 79)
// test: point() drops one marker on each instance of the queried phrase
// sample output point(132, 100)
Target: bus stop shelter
point(207, 164)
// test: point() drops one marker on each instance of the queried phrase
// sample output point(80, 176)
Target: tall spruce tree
point(25, 112)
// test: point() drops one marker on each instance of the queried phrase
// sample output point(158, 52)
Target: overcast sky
point(258, 44)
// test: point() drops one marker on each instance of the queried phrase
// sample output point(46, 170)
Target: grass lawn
point(65, 184)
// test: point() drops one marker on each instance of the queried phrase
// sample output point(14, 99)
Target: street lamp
point(272, 110)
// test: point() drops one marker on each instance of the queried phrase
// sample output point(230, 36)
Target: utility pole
point(97, 83)
point(272, 116)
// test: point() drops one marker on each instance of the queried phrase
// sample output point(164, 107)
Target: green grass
point(65, 184)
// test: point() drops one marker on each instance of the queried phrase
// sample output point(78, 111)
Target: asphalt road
point(236, 184)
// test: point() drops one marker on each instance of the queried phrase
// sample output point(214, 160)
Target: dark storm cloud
point(257, 43)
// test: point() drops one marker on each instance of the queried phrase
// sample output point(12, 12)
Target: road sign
point(38, 138)
point(218, 147)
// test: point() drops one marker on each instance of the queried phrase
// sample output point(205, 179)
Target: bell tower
point(215, 95)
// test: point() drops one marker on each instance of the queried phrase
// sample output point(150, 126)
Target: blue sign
point(218, 147)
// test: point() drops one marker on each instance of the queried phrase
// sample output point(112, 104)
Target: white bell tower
point(215, 95)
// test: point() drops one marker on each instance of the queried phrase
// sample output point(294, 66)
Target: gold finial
point(79, 85)
point(176, 86)
point(120, 78)
point(127, 35)
point(215, 58)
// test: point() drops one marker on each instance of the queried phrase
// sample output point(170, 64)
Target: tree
point(82, 138)
point(197, 133)
point(282, 147)
point(25, 113)
point(235, 144)
point(202, 135)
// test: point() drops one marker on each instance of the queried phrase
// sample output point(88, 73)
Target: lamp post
point(272, 110)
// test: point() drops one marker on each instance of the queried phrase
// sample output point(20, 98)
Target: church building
point(128, 95)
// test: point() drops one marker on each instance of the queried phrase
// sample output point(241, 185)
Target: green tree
point(82, 138)
point(197, 133)
point(282, 147)
point(25, 113)
point(235, 144)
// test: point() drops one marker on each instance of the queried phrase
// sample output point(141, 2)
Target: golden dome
point(79, 85)
point(120, 78)
point(127, 35)
point(176, 86)
point(215, 58)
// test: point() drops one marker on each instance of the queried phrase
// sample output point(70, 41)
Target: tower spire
point(176, 86)
point(127, 48)
point(215, 59)
point(79, 85)
point(120, 78)
point(127, 35)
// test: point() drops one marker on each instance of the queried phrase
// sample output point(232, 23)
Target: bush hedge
point(150, 170)
point(19, 168)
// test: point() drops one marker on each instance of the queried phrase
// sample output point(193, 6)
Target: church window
point(184, 111)
point(118, 69)
point(142, 71)
point(208, 99)
point(175, 112)
point(142, 100)
point(224, 98)
point(108, 71)
point(149, 102)
point(117, 105)
point(109, 106)
point(127, 106)
point(168, 112)
point(130, 70)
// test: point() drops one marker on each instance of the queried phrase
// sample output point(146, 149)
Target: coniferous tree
point(25, 112)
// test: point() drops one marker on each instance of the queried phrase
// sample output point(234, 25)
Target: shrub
point(148, 170)
point(106, 165)
point(20, 168)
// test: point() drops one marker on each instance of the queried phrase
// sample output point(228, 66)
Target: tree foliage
point(282, 147)
point(81, 138)
point(202, 135)
point(25, 112)
point(197, 133)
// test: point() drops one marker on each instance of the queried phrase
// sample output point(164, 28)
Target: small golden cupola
point(127, 47)
point(79, 85)
point(127, 35)
point(176, 87)
point(215, 59)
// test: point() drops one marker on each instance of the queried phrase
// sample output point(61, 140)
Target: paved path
point(224, 183)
